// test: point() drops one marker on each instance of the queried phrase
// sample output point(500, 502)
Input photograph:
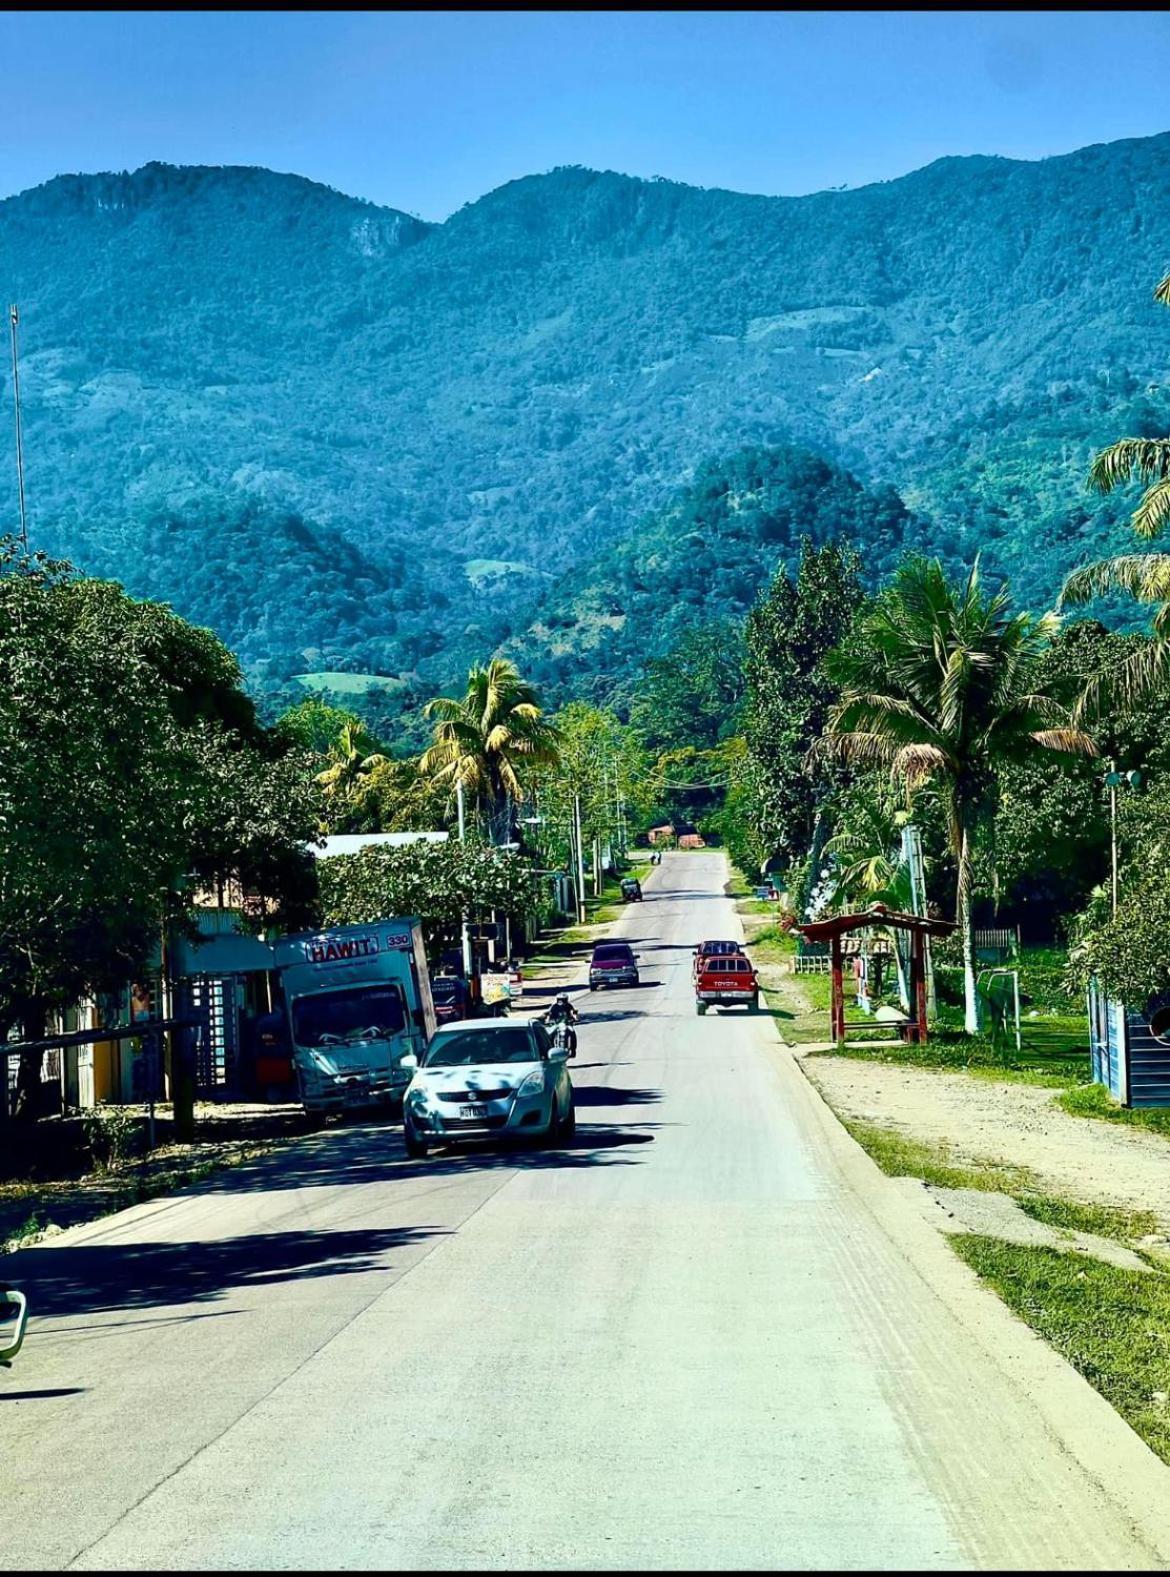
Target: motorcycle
point(563, 1034)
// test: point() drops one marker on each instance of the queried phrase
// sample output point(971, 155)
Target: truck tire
point(700, 1008)
point(754, 1004)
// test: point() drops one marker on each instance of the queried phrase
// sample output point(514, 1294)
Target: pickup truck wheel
point(700, 1008)
point(754, 1004)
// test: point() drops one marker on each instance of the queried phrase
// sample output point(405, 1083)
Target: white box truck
point(357, 1000)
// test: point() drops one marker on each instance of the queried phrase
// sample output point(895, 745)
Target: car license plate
point(473, 1111)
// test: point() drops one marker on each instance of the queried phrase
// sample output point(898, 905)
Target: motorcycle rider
point(563, 1012)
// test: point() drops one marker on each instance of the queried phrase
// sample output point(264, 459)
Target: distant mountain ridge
point(211, 353)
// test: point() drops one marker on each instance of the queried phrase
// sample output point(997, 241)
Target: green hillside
point(347, 439)
point(703, 559)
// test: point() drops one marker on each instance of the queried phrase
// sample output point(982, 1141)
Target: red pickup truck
point(723, 980)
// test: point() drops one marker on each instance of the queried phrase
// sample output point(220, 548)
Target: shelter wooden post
point(837, 1015)
point(918, 986)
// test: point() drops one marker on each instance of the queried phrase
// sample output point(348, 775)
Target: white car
point(488, 1079)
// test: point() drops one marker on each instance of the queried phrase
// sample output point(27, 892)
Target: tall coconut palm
point(485, 739)
point(1145, 576)
point(939, 685)
point(351, 761)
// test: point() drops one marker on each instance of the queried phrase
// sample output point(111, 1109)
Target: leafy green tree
point(599, 763)
point(690, 698)
point(1144, 576)
point(437, 882)
point(132, 761)
point(941, 685)
point(1129, 953)
point(789, 692)
point(487, 739)
point(314, 725)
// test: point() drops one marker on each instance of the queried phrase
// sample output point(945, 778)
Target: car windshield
point(476, 1046)
point(349, 1015)
point(613, 952)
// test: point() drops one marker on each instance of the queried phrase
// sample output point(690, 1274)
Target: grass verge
point(898, 1155)
point(1103, 1221)
point(1094, 1100)
point(1112, 1325)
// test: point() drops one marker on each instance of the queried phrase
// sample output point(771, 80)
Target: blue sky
point(427, 111)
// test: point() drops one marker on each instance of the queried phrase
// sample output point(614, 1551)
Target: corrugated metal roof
point(351, 842)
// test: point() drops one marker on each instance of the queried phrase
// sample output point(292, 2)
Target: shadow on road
point(38, 1396)
point(605, 1095)
point(96, 1276)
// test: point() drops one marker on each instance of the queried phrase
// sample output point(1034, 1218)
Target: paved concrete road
point(709, 1335)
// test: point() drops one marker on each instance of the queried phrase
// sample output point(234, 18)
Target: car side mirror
point(409, 1061)
point(557, 1054)
point(13, 1316)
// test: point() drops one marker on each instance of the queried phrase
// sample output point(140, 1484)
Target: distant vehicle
point(358, 1002)
point(489, 1079)
point(452, 998)
point(631, 890)
point(707, 950)
point(613, 964)
point(724, 980)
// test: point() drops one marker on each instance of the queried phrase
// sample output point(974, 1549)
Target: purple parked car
point(613, 964)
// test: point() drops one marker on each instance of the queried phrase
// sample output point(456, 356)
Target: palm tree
point(937, 686)
point(1145, 576)
point(863, 849)
point(484, 739)
point(351, 760)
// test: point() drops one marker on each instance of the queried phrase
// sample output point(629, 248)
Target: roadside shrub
point(112, 1136)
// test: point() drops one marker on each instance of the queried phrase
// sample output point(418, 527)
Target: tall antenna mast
point(13, 320)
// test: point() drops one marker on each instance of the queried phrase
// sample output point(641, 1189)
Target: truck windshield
point(350, 1014)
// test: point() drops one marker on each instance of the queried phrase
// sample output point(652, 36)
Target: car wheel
point(700, 1008)
point(552, 1134)
point(569, 1125)
point(754, 1005)
point(416, 1145)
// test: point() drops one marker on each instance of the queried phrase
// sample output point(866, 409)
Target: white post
point(580, 861)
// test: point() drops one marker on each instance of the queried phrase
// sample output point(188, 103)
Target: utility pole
point(580, 861)
point(466, 938)
point(13, 320)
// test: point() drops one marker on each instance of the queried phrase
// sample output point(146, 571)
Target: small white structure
point(351, 842)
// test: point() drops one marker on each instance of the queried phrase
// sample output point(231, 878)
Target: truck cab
point(357, 1000)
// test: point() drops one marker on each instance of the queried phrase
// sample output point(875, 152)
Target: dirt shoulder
point(986, 1121)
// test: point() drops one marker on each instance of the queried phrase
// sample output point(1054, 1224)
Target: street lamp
point(1113, 781)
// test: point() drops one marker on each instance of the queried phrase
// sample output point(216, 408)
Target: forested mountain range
point(350, 439)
